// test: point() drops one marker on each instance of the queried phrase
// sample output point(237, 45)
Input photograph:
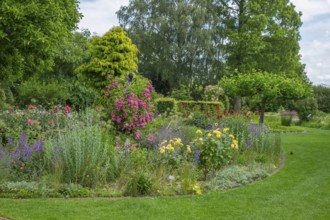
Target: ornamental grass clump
point(80, 154)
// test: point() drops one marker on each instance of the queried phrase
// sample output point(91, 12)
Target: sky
point(100, 16)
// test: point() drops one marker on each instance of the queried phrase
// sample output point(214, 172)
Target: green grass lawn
point(301, 190)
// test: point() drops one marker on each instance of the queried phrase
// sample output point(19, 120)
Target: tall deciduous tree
point(266, 87)
point(179, 40)
point(263, 35)
point(31, 33)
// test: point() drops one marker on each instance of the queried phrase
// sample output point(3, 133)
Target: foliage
point(319, 120)
point(173, 152)
point(35, 122)
point(183, 93)
point(306, 108)
point(214, 148)
point(112, 54)
point(45, 94)
point(286, 117)
point(176, 49)
point(200, 113)
point(31, 34)
point(266, 87)
point(80, 154)
point(139, 184)
point(24, 161)
point(322, 95)
point(236, 176)
point(263, 36)
point(213, 93)
point(164, 105)
point(289, 194)
point(130, 104)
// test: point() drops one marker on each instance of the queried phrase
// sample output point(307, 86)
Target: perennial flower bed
point(125, 149)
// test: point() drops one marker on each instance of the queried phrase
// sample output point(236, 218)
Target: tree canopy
point(266, 87)
point(198, 41)
point(31, 33)
point(179, 41)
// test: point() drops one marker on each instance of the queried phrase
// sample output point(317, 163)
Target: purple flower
point(27, 152)
point(39, 147)
point(254, 128)
point(23, 141)
point(10, 140)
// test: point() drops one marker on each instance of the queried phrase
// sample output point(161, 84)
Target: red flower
point(30, 121)
point(67, 110)
point(56, 109)
point(219, 116)
point(51, 122)
point(31, 107)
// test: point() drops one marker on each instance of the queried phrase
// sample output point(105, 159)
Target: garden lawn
point(301, 190)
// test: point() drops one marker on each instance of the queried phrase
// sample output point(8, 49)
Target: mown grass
point(301, 190)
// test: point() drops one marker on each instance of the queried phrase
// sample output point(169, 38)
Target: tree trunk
point(237, 104)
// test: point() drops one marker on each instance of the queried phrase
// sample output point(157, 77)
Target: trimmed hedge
point(200, 106)
point(164, 105)
point(186, 107)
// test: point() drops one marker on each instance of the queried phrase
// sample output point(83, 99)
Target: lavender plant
point(23, 161)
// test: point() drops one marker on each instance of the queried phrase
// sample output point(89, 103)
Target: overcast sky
point(100, 16)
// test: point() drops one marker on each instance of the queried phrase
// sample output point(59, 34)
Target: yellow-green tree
point(113, 55)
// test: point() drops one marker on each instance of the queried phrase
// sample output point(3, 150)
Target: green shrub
point(286, 117)
point(199, 113)
point(306, 108)
point(165, 105)
point(214, 149)
point(138, 184)
point(183, 93)
point(45, 94)
point(235, 176)
point(322, 95)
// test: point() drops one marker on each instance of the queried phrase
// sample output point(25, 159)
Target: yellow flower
point(162, 149)
point(200, 139)
point(231, 136)
point(209, 134)
point(178, 141)
point(188, 149)
point(216, 124)
point(170, 147)
point(197, 189)
point(217, 133)
point(199, 132)
point(225, 129)
point(234, 144)
point(163, 142)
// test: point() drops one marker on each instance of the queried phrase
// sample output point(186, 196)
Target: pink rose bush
point(130, 105)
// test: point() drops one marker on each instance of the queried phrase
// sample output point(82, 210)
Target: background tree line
point(183, 45)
